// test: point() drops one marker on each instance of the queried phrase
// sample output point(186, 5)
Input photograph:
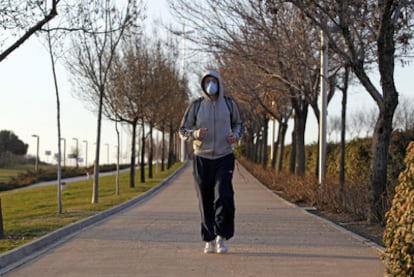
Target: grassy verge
point(32, 212)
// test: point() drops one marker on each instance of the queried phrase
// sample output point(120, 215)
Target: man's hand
point(200, 133)
point(231, 139)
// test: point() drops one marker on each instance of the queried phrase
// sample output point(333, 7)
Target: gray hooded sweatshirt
point(220, 117)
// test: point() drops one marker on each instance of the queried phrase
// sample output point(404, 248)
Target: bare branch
point(52, 13)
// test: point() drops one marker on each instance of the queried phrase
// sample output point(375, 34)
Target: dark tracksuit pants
point(215, 193)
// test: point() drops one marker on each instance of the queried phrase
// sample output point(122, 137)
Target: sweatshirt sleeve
point(188, 123)
point(237, 123)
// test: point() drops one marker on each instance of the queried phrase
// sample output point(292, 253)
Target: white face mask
point(211, 88)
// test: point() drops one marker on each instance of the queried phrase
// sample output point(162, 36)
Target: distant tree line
point(11, 148)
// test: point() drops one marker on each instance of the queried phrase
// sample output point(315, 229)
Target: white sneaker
point(221, 247)
point(210, 247)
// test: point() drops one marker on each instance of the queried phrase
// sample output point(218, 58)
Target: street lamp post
point(77, 151)
point(86, 153)
point(37, 153)
point(183, 33)
point(64, 152)
point(324, 101)
point(323, 108)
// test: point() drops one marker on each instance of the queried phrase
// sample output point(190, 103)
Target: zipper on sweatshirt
point(214, 128)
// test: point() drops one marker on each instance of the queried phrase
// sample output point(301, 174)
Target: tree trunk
point(170, 148)
point(118, 146)
point(143, 153)
point(281, 145)
point(343, 138)
point(133, 155)
point(95, 190)
point(292, 162)
point(378, 176)
point(265, 156)
point(257, 149)
point(300, 124)
point(383, 127)
point(59, 161)
point(163, 151)
point(274, 153)
point(151, 153)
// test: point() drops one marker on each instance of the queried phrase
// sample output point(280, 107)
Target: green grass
point(33, 212)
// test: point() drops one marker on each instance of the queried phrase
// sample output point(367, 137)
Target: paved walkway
point(160, 237)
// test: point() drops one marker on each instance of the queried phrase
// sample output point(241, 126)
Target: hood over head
point(214, 74)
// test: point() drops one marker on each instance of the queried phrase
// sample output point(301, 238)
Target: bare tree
point(59, 136)
point(93, 53)
point(145, 89)
point(22, 19)
point(283, 46)
point(176, 95)
point(366, 32)
point(256, 94)
point(56, 33)
point(360, 33)
point(125, 97)
point(156, 95)
point(18, 22)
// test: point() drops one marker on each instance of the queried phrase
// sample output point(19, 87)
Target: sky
point(28, 103)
